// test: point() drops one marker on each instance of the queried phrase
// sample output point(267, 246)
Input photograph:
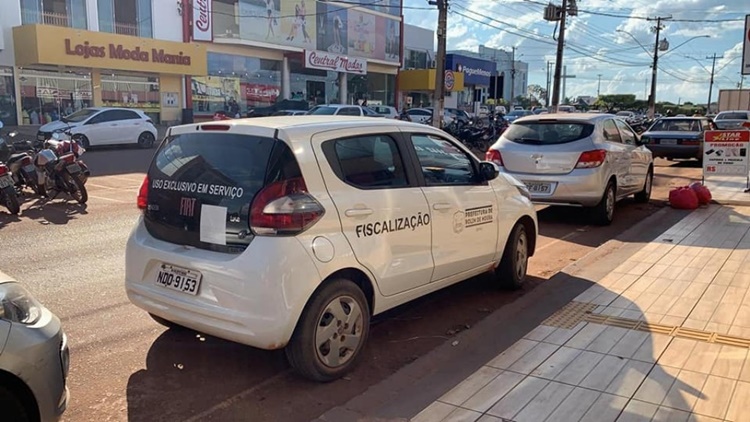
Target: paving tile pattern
point(663, 337)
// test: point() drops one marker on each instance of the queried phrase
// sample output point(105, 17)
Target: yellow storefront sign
point(54, 45)
point(424, 80)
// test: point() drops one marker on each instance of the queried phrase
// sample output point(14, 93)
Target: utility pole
point(547, 97)
point(559, 57)
point(513, 76)
point(654, 66)
point(599, 86)
point(439, 95)
point(739, 96)
point(565, 78)
point(711, 84)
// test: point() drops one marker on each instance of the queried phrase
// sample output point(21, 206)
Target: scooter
point(8, 195)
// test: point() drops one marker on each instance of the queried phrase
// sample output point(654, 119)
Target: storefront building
point(418, 54)
point(477, 74)
point(262, 51)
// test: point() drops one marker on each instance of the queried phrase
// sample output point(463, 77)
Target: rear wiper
point(528, 141)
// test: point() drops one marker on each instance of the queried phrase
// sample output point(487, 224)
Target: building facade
point(511, 77)
point(419, 54)
point(199, 56)
point(477, 75)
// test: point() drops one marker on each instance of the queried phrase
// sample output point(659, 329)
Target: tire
point(511, 273)
point(604, 212)
point(146, 140)
point(82, 141)
point(11, 200)
point(80, 194)
point(166, 323)
point(13, 408)
point(324, 324)
point(644, 195)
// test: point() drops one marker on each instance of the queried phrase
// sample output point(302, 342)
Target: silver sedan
point(35, 359)
point(586, 160)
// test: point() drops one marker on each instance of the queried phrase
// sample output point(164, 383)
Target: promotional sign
point(725, 152)
point(476, 71)
point(202, 20)
point(323, 60)
point(746, 48)
point(450, 80)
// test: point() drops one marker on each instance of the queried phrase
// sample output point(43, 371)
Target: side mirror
point(488, 170)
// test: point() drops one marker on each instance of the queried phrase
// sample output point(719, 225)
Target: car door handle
point(441, 206)
point(357, 212)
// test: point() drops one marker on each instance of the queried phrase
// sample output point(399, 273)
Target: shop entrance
point(316, 91)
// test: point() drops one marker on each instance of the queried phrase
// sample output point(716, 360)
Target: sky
point(596, 46)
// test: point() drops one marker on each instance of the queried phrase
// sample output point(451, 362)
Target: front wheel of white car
point(331, 332)
point(515, 262)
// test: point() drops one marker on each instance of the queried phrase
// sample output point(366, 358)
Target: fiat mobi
point(292, 232)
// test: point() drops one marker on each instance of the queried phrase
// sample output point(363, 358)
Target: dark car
point(280, 105)
point(677, 137)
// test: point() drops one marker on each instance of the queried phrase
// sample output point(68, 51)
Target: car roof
point(112, 108)
point(338, 105)
point(683, 118)
point(566, 116)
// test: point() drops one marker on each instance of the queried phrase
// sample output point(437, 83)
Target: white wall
point(167, 23)
point(10, 16)
point(416, 38)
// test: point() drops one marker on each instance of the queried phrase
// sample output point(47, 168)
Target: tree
point(539, 93)
point(522, 101)
point(616, 101)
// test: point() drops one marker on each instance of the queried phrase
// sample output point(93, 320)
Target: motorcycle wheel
point(11, 200)
point(78, 190)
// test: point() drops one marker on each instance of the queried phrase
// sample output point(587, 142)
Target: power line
point(646, 18)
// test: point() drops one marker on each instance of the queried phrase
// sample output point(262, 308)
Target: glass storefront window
point(69, 13)
point(48, 95)
point(128, 91)
point(126, 17)
point(235, 84)
point(315, 86)
point(376, 88)
point(7, 97)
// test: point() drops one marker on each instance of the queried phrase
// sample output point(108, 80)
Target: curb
point(434, 374)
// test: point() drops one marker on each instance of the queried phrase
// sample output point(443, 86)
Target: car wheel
point(146, 140)
point(331, 332)
point(511, 273)
point(166, 323)
point(604, 212)
point(644, 195)
point(13, 409)
point(82, 140)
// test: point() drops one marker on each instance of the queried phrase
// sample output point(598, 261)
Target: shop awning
point(424, 80)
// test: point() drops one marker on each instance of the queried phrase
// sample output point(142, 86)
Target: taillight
point(591, 159)
point(494, 156)
point(284, 208)
point(143, 195)
point(26, 161)
point(214, 127)
point(3, 169)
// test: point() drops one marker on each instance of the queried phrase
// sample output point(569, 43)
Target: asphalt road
point(127, 367)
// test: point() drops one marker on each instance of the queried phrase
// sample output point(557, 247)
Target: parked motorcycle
point(61, 174)
point(63, 144)
point(8, 195)
point(18, 155)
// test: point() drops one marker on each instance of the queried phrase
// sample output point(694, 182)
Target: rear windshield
point(323, 110)
point(201, 186)
point(732, 116)
point(676, 125)
point(547, 133)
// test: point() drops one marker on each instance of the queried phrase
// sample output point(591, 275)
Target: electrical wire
point(614, 15)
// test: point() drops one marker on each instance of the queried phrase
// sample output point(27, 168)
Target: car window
point(419, 113)
point(322, 110)
point(349, 111)
point(628, 137)
point(733, 116)
point(124, 115)
point(103, 117)
point(442, 163)
point(611, 133)
point(79, 116)
point(551, 132)
point(367, 162)
point(676, 125)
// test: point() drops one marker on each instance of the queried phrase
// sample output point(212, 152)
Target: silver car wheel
point(338, 334)
point(610, 205)
point(522, 255)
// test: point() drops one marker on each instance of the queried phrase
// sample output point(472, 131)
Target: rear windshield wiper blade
point(528, 141)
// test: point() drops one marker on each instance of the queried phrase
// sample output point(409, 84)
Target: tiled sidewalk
point(664, 337)
point(728, 190)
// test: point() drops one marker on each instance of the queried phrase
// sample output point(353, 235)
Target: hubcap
point(145, 139)
point(610, 202)
point(522, 253)
point(338, 334)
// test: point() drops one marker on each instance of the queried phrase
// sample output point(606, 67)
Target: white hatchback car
point(104, 126)
point(293, 231)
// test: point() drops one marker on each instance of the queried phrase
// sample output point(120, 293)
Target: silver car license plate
point(539, 187)
point(668, 141)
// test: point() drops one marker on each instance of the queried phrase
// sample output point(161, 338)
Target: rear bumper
point(676, 151)
point(580, 187)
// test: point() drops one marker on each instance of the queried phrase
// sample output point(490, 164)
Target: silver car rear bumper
point(580, 187)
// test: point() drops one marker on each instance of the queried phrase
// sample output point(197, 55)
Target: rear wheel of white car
point(146, 140)
point(644, 195)
point(604, 212)
point(512, 269)
point(331, 332)
point(12, 408)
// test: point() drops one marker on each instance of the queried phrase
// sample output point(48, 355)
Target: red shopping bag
point(704, 195)
point(683, 198)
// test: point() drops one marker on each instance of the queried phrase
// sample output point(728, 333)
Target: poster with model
point(298, 23)
point(388, 46)
point(260, 21)
point(362, 38)
point(332, 28)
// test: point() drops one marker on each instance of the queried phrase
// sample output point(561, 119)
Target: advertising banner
point(298, 23)
point(746, 48)
point(332, 28)
point(476, 71)
point(202, 20)
point(261, 93)
point(388, 37)
point(725, 152)
point(362, 37)
point(213, 93)
point(323, 60)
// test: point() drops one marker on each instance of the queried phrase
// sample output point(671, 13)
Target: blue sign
point(476, 71)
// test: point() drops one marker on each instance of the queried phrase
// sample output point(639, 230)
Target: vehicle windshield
point(676, 125)
point(517, 113)
point(733, 116)
point(323, 111)
point(548, 133)
point(381, 110)
point(79, 115)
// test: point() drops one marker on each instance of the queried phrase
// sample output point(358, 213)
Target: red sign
point(323, 60)
point(261, 93)
point(727, 136)
point(202, 21)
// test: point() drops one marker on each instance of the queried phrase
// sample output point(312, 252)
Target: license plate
point(28, 169)
point(178, 278)
point(6, 181)
point(538, 187)
point(74, 168)
point(668, 141)
point(40, 137)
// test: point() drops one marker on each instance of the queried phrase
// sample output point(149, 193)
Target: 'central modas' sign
point(323, 60)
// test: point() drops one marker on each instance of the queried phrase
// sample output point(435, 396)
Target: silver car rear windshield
point(548, 133)
point(733, 116)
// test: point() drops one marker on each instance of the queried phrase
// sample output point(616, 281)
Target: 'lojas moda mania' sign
point(113, 51)
point(323, 60)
